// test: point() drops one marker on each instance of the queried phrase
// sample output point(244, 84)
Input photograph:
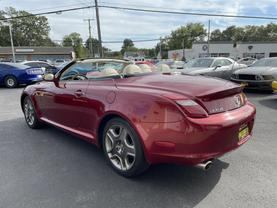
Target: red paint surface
point(147, 102)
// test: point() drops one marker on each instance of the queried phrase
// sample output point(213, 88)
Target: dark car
point(46, 67)
point(140, 118)
point(13, 74)
point(259, 75)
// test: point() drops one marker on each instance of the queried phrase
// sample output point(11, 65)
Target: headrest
point(145, 68)
point(132, 69)
point(109, 72)
point(164, 68)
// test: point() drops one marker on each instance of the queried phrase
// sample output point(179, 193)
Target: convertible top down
point(139, 117)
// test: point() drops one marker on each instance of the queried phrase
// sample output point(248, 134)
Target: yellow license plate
point(244, 132)
point(244, 84)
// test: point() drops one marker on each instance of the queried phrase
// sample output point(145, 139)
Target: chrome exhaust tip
point(205, 165)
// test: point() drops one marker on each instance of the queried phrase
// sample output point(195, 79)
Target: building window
point(254, 55)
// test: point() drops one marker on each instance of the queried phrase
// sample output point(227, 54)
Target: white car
point(212, 66)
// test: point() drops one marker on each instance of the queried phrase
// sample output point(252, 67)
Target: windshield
point(266, 62)
point(102, 69)
point(203, 63)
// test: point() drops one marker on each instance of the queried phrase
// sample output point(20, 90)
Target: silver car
point(212, 66)
point(259, 75)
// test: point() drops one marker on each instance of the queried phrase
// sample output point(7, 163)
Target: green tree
point(186, 35)
point(75, 40)
point(128, 45)
point(27, 31)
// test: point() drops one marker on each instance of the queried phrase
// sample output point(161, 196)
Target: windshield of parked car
point(196, 63)
point(265, 62)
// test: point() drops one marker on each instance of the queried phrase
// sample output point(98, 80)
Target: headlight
point(235, 76)
point(34, 71)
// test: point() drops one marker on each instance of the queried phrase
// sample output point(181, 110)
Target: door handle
point(79, 93)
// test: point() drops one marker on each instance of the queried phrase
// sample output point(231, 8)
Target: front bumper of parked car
point(193, 141)
point(254, 84)
point(274, 86)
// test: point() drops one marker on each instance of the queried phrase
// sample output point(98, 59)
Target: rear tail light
point(192, 109)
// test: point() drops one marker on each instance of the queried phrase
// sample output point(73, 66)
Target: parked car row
point(258, 75)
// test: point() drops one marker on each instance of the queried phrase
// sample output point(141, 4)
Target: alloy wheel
point(10, 82)
point(29, 112)
point(120, 147)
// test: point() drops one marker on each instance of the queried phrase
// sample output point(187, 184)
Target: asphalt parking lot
point(49, 168)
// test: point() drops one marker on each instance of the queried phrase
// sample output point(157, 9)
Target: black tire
point(139, 163)
point(11, 82)
point(29, 111)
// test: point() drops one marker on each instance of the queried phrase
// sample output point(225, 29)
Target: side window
point(32, 64)
point(46, 66)
point(226, 62)
point(217, 63)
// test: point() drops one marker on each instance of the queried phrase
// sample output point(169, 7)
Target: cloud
point(119, 24)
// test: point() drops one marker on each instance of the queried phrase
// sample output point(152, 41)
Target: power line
point(45, 13)
point(143, 10)
point(187, 13)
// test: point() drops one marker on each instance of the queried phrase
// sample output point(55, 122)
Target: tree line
point(34, 31)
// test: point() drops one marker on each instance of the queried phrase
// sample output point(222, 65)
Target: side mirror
point(218, 66)
point(49, 77)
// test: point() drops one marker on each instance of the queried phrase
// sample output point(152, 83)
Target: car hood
point(257, 70)
point(191, 86)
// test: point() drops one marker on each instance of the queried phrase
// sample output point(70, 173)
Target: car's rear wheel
point(11, 82)
point(123, 149)
point(30, 114)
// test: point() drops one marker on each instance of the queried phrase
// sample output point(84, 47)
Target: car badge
point(237, 100)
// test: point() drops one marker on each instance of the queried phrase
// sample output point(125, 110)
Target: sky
point(117, 25)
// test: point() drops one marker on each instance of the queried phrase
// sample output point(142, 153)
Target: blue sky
point(117, 24)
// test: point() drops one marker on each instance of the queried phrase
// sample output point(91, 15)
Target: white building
point(227, 49)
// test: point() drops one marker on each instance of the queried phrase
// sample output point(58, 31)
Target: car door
point(219, 67)
point(64, 100)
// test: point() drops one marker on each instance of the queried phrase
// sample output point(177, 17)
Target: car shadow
point(270, 103)
point(74, 172)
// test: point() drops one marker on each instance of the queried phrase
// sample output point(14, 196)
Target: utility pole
point(98, 29)
point(209, 30)
point(90, 36)
point(161, 42)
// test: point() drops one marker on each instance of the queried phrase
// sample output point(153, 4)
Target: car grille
point(247, 77)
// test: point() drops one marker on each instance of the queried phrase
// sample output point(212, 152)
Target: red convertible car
point(140, 118)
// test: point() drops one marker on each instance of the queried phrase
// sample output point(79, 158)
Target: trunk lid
point(215, 95)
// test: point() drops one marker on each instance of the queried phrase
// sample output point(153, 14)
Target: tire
point(30, 114)
point(11, 82)
point(122, 148)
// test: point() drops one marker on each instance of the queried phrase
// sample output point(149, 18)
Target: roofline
point(232, 42)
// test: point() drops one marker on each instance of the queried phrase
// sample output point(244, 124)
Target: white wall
point(220, 48)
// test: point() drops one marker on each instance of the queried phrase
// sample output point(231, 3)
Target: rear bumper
point(30, 79)
point(193, 141)
point(252, 84)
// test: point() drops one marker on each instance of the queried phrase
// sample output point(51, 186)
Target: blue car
point(12, 75)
